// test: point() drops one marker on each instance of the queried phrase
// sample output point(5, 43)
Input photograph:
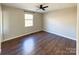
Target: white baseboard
point(13, 37)
point(19, 36)
point(34, 32)
point(61, 35)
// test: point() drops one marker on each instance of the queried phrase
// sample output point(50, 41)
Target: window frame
point(28, 19)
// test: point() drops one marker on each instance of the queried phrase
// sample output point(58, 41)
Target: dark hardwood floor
point(41, 43)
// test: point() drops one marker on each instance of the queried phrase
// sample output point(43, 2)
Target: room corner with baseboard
point(44, 30)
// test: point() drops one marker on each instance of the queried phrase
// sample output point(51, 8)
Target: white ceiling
point(34, 6)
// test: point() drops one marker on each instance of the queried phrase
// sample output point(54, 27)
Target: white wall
point(0, 26)
point(61, 22)
point(78, 27)
point(14, 23)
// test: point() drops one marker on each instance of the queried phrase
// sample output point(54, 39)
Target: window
point(28, 20)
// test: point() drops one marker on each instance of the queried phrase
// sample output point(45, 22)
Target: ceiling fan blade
point(41, 6)
point(45, 7)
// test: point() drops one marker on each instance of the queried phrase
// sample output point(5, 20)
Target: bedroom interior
point(39, 28)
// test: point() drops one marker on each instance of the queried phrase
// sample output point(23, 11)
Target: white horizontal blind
point(28, 20)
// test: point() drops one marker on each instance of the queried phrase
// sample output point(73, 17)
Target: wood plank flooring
point(41, 43)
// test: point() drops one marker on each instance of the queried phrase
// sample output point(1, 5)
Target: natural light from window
point(28, 20)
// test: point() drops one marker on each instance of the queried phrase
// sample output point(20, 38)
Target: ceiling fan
point(42, 7)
